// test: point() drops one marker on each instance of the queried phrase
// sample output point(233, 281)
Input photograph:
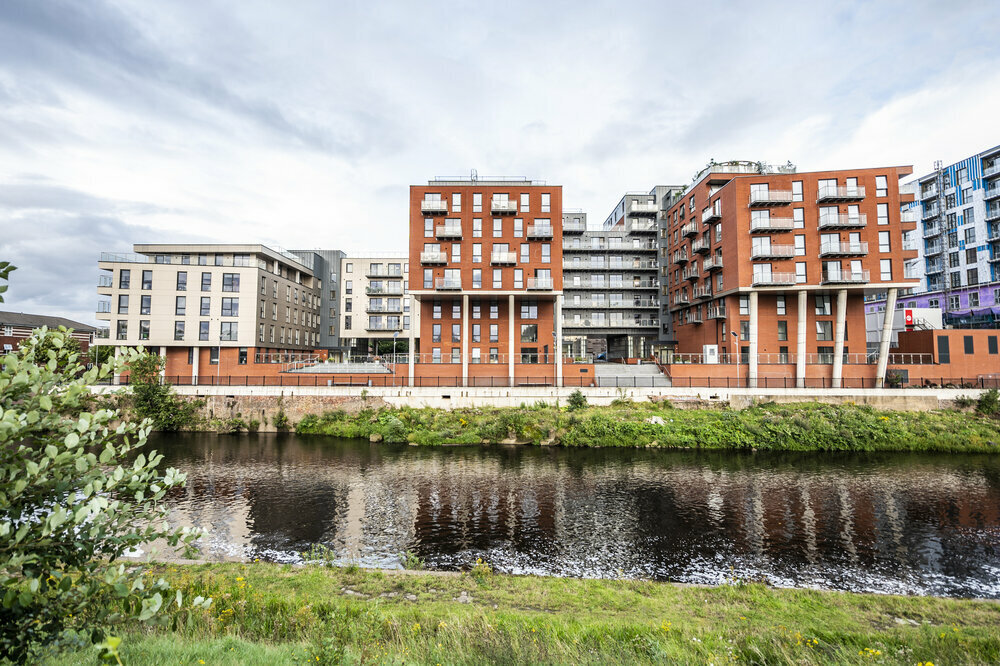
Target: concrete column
point(195, 360)
point(883, 346)
point(118, 375)
point(163, 363)
point(411, 349)
point(465, 340)
point(800, 351)
point(838, 338)
point(559, 353)
point(754, 320)
point(510, 338)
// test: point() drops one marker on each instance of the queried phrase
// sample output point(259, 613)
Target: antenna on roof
point(474, 176)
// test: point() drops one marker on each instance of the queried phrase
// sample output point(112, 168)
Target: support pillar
point(800, 350)
point(510, 339)
point(163, 363)
point(754, 319)
point(838, 339)
point(118, 375)
point(557, 317)
point(411, 351)
point(883, 346)
point(195, 360)
point(465, 340)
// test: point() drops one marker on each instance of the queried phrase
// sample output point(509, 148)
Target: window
point(228, 330)
point(456, 332)
point(933, 303)
point(218, 259)
point(885, 269)
point(180, 305)
point(206, 304)
point(497, 228)
point(744, 304)
point(456, 309)
point(798, 218)
point(213, 355)
point(147, 280)
point(524, 253)
point(883, 213)
point(529, 308)
point(954, 302)
point(436, 309)
point(524, 203)
point(518, 228)
point(494, 332)
point(758, 192)
point(972, 276)
point(231, 282)
point(436, 333)
point(782, 330)
point(477, 228)
point(477, 253)
point(476, 329)
point(744, 330)
point(122, 303)
point(206, 282)
point(953, 260)
point(546, 202)
point(824, 330)
point(800, 246)
point(781, 304)
point(144, 304)
point(823, 305)
point(800, 273)
point(968, 216)
point(476, 308)
point(124, 278)
point(144, 329)
point(477, 278)
point(881, 186)
point(970, 255)
point(883, 241)
point(203, 330)
point(970, 234)
point(497, 278)
point(974, 300)
point(969, 345)
point(796, 190)
point(182, 280)
point(231, 307)
point(456, 202)
point(347, 325)
point(456, 253)
point(178, 330)
point(477, 202)
point(494, 309)
point(546, 253)
point(122, 330)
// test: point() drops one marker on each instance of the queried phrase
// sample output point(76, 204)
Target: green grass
point(787, 427)
point(277, 614)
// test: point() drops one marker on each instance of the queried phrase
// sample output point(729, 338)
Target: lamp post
point(736, 343)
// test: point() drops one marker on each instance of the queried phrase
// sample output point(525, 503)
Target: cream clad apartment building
point(374, 304)
point(210, 305)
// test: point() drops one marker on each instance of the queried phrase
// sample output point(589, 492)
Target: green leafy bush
point(989, 403)
point(154, 399)
point(577, 400)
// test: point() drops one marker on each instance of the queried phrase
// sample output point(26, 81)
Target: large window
point(823, 305)
point(122, 330)
point(230, 282)
point(231, 307)
point(546, 202)
point(206, 306)
point(182, 280)
point(124, 278)
point(147, 280)
point(178, 330)
point(122, 303)
point(228, 330)
point(206, 281)
point(529, 332)
point(824, 330)
point(145, 304)
point(144, 329)
point(180, 305)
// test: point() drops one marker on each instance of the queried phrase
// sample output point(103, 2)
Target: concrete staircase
point(618, 374)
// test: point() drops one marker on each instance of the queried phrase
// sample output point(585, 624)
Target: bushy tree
point(154, 399)
point(5, 270)
point(77, 493)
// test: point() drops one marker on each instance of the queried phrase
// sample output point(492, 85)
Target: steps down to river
point(619, 374)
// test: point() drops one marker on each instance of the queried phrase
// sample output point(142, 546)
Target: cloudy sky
point(303, 123)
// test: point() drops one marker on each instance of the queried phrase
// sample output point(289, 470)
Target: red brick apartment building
point(765, 274)
point(485, 271)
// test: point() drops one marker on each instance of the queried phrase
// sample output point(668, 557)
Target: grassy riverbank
point(788, 427)
point(273, 614)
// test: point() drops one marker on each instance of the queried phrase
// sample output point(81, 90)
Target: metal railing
point(991, 171)
point(700, 245)
point(932, 230)
point(727, 358)
point(844, 277)
point(831, 193)
point(908, 216)
point(539, 284)
point(503, 206)
point(383, 326)
point(689, 229)
point(501, 257)
point(770, 197)
point(574, 227)
point(928, 192)
point(447, 283)
point(828, 248)
point(384, 308)
point(643, 208)
point(433, 257)
point(931, 211)
point(933, 249)
point(713, 213)
point(383, 274)
point(681, 257)
point(105, 281)
point(712, 263)
point(992, 192)
point(772, 251)
point(826, 382)
point(448, 231)
point(540, 231)
point(772, 224)
point(103, 306)
point(774, 279)
point(427, 206)
point(612, 305)
point(384, 291)
point(717, 312)
point(691, 272)
point(702, 292)
point(843, 221)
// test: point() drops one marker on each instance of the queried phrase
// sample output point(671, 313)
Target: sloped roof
point(36, 321)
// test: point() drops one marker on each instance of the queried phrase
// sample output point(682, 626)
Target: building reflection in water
point(900, 523)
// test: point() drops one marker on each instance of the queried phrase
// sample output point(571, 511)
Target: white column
point(163, 362)
point(883, 347)
point(557, 316)
point(838, 338)
point(118, 375)
point(465, 340)
point(510, 338)
point(195, 360)
point(752, 370)
point(800, 351)
point(411, 348)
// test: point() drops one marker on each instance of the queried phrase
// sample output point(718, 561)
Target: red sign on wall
point(908, 315)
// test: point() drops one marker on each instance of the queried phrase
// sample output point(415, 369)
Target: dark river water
point(899, 523)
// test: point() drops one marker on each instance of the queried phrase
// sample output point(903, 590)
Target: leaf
point(45, 402)
point(150, 607)
point(72, 440)
point(51, 451)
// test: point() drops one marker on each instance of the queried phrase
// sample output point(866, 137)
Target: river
point(894, 523)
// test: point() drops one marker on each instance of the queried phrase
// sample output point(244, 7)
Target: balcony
point(712, 264)
point(833, 194)
point(836, 249)
point(431, 207)
point(993, 213)
point(908, 217)
point(104, 306)
point(701, 246)
point(842, 221)
point(574, 227)
point(503, 206)
point(993, 233)
point(539, 284)
point(773, 280)
point(639, 284)
point(642, 226)
point(931, 211)
point(711, 214)
point(434, 257)
point(929, 192)
point(682, 298)
point(933, 249)
point(500, 258)
point(935, 267)
point(105, 282)
point(771, 198)
point(691, 273)
point(643, 208)
point(447, 284)
point(932, 230)
point(718, 312)
point(448, 231)
point(845, 277)
point(539, 231)
point(689, 229)
point(390, 309)
point(695, 318)
point(384, 291)
point(994, 258)
point(772, 225)
point(383, 326)
point(992, 171)
point(703, 292)
point(992, 192)
point(772, 252)
point(681, 257)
